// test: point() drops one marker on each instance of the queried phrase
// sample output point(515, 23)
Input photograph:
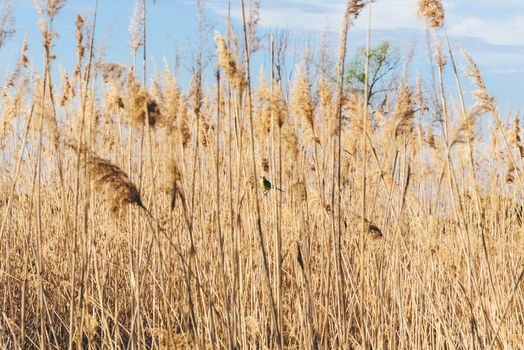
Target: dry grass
point(397, 230)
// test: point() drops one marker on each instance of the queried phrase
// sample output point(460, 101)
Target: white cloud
point(315, 15)
point(509, 31)
point(491, 21)
point(508, 71)
point(497, 58)
point(392, 14)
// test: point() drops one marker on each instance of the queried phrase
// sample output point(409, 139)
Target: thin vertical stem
point(364, 174)
point(257, 203)
point(80, 138)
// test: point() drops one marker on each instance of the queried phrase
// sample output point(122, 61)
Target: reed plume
point(279, 107)
point(420, 98)
point(136, 27)
point(263, 108)
point(484, 101)
point(170, 101)
point(53, 6)
point(302, 100)
point(139, 104)
point(79, 25)
point(7, 23)
point(404, 111)
point(114, 184)
point(516, 136)
point(432, 12)
point(184, 123)
point(174, 183)
point(229, 62)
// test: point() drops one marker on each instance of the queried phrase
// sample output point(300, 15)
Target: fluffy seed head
point(302, 102)
point(484, 102)
point(432, 12)
point(114, 183)
point(229, 61)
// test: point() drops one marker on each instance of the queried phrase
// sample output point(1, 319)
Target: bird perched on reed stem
point(266, 185)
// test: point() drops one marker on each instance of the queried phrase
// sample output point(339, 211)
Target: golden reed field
point(133, 213)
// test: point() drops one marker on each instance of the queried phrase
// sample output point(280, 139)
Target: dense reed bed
point(131, 214)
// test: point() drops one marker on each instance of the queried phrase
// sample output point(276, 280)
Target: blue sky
point(492, 32)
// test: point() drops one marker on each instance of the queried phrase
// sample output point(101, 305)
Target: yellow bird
point(266, 185)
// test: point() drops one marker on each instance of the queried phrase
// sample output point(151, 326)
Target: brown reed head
point(432, 12)
point(114, 183)
point(229, 62)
